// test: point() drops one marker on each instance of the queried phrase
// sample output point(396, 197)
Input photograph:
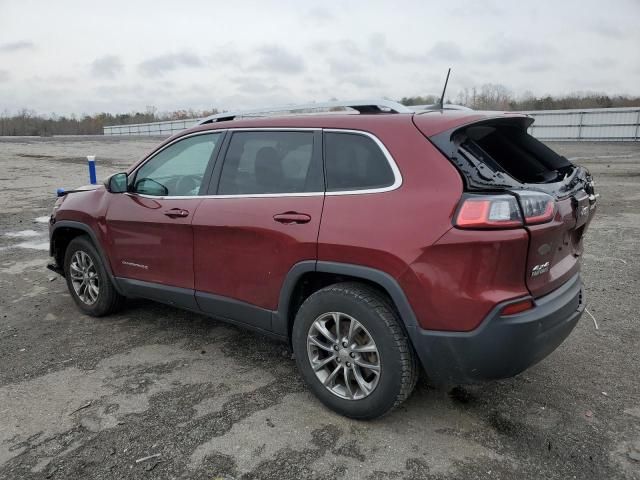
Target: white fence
point(594, 124)
point(156, 128)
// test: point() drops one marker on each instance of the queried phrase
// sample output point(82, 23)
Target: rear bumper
point(501, 347)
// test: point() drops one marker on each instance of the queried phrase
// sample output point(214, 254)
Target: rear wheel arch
point(307, 278)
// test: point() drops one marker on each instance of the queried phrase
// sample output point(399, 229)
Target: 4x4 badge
point(540, 269)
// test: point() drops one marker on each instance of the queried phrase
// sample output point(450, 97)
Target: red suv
point(372, 242)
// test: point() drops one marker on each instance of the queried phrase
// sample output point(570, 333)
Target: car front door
point(149, 227)
point(263, 219)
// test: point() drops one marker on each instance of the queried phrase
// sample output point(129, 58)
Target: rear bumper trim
point(502, 346)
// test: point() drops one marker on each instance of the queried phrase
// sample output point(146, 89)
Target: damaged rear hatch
point(556, 198)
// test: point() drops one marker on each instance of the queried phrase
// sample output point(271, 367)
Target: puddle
point(23, 234)
point(34, 245)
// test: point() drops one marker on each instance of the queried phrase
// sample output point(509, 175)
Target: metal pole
point(91, 159)
point(637, 125)
point(580, 126)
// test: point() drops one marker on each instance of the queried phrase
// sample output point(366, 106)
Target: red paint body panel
point(438, 121)
point(455, 283)
point(389, 231)
point(89, 208)
point(145, 244)
point(564, 245)
point(243, 253)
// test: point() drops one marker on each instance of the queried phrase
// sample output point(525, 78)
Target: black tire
point(108, 299)
point(399, 370)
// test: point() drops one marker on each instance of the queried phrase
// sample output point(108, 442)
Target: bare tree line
point(498, 97)
point(486, 97)
point(28, 122)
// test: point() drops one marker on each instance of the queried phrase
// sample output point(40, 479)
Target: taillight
point(503, 211)
point(488, 211)
point(537, 207)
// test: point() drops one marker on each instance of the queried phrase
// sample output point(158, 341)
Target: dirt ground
point(82, 397)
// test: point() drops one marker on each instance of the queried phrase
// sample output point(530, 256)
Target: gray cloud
point(607, 30)
point(537, 66)
point(4, 75)
point(360, 81)
point(604, 62)
point(17, 46)
point(503, 50)
point(277, 59)
point(342, 65)
point(257, 85)
point(320, 15)
point(447, 51)
point(108, 66)
point(158, 66)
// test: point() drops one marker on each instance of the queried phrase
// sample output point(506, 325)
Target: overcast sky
point(110, 55)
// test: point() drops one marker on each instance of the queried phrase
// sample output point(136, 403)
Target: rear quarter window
point(355, 162)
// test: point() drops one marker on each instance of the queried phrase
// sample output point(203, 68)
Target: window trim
point(218, 163)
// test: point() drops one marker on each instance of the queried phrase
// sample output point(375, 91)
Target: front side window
point(179, 169)
point(355, 162)
point(270, 162)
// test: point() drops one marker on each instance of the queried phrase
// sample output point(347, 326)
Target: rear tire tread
point(377, 302)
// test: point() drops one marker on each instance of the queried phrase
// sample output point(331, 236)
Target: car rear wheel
point(353, 352)
point(87, 279)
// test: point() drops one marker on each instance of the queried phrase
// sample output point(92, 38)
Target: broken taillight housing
point(537, 207)
point(504, 211)
point(488, 211)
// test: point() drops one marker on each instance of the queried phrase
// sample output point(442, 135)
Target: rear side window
point(355, 162)
point(270, 162)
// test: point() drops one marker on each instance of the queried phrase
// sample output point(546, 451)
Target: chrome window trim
point(394, 167)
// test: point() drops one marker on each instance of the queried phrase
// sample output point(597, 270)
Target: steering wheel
point(186, 185)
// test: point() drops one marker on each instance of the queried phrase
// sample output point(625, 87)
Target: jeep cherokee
point(372, 242)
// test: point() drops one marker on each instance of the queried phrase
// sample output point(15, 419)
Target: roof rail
point(362, 106)
point(436, 106)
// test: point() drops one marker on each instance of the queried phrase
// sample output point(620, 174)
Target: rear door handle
point(292, 217)
point(176, 213)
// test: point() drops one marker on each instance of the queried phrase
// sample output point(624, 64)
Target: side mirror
point(117, 183)
point(148, 186)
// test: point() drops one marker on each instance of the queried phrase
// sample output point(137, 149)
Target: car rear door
point(149, 227)
point(262, 218)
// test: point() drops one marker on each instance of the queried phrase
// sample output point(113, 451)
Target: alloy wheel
point(84, 277)
point(343, 355)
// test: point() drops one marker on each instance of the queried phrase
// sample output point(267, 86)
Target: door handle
point(176, 213)
point(292, 217)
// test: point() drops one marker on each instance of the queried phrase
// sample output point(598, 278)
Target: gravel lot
point(88, 398)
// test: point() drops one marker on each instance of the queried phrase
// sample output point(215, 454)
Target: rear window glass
point(355, 162)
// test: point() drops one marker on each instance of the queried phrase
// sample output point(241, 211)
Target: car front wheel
point(87, 279)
